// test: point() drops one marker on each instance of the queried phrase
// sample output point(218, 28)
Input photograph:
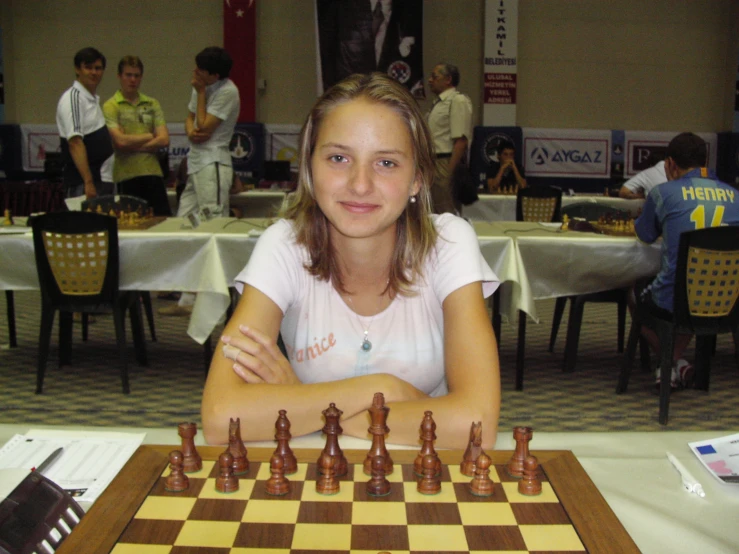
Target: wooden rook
point(482, 484)
point(277, 484)
point(522, 436)
point(428, 436)
point(236, 447)
point(474, 449)
point(176, 481)
point(430, 483)
point(378, 429)
point(378, 485)
point(530, 485)
point(226, 481)
point(327, 482)
point(283, 436)
point(191, 460)
point(332, 430)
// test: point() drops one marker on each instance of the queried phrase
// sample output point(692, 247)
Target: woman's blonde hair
point(416, 234)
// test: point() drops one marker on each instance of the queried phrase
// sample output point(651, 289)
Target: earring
point(413, 199)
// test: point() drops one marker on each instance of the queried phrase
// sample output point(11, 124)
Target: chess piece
point(191, 459)
point(378, 412)
point(176, 481)
point(474, 449)
point(530, 485)
point(522, 436)
point(482, 484)
point(8, 220)
point(226, 481)
point(378, 485)
point(283, 436)
point(332, 430)
point(327, 482)
point(277, 484)
point(430, 483)
point(428, 436)
point(236, 447)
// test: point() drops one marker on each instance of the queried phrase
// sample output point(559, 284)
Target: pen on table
point(689, 482)
point(48, 461)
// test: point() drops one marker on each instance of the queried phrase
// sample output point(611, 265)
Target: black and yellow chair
point(535, 204)
point(705, 304)
point(78, 270)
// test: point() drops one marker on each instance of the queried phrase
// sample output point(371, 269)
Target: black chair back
point(707, 281)
point(77, 259)
point(539, 203)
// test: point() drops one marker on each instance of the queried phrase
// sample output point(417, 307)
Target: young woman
point(369, 291)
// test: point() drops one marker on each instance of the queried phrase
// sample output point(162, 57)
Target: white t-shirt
point(648, 179)
point(221, 100)
point(323, 335)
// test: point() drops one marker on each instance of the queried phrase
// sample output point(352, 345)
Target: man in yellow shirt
point(136, 125)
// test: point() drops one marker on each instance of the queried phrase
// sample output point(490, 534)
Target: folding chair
point(705, 304)
point(78, 269)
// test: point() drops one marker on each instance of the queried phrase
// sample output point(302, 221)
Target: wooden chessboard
point(140, 223)
point(136, 514)
point(613, 229)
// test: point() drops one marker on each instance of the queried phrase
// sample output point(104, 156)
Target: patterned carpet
point(169, 390)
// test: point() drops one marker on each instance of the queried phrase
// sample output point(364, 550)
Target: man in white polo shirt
point(213, 110)
point(85, 141)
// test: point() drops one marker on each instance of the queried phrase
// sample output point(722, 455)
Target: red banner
point(240, 40)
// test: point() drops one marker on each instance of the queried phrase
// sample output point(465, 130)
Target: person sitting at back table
point(692, 198)
point(643, 182)
point(505, 173)
point(368, 290)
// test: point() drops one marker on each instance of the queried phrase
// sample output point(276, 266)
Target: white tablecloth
point(252, 203)
point(536, 261)
point(169, 256)
point(545, 262)
point(630, 470)
point(498, 207)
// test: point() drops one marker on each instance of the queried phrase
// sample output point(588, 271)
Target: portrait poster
point(362, 36)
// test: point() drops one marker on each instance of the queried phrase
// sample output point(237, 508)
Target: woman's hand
point(257, 359)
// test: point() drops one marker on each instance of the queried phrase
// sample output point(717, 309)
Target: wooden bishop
point(283, 436)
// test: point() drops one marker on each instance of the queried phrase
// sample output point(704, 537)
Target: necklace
point(366, 345)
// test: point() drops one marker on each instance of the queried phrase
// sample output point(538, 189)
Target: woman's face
point(363, 169)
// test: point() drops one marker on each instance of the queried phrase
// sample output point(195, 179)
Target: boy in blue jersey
point(692, 198)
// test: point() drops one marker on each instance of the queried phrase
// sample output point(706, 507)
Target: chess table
point(135, 513)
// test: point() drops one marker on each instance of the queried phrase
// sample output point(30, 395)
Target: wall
point(629, 64)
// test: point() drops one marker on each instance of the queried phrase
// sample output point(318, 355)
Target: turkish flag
point(240, 40)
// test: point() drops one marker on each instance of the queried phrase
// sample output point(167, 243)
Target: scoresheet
point(87, 464)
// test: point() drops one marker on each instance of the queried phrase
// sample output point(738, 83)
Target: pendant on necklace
point(366, 344)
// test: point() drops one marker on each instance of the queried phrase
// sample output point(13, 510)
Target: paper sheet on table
point(720, 457)
point(87, 465)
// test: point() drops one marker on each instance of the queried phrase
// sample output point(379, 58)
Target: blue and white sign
point(567, 153)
